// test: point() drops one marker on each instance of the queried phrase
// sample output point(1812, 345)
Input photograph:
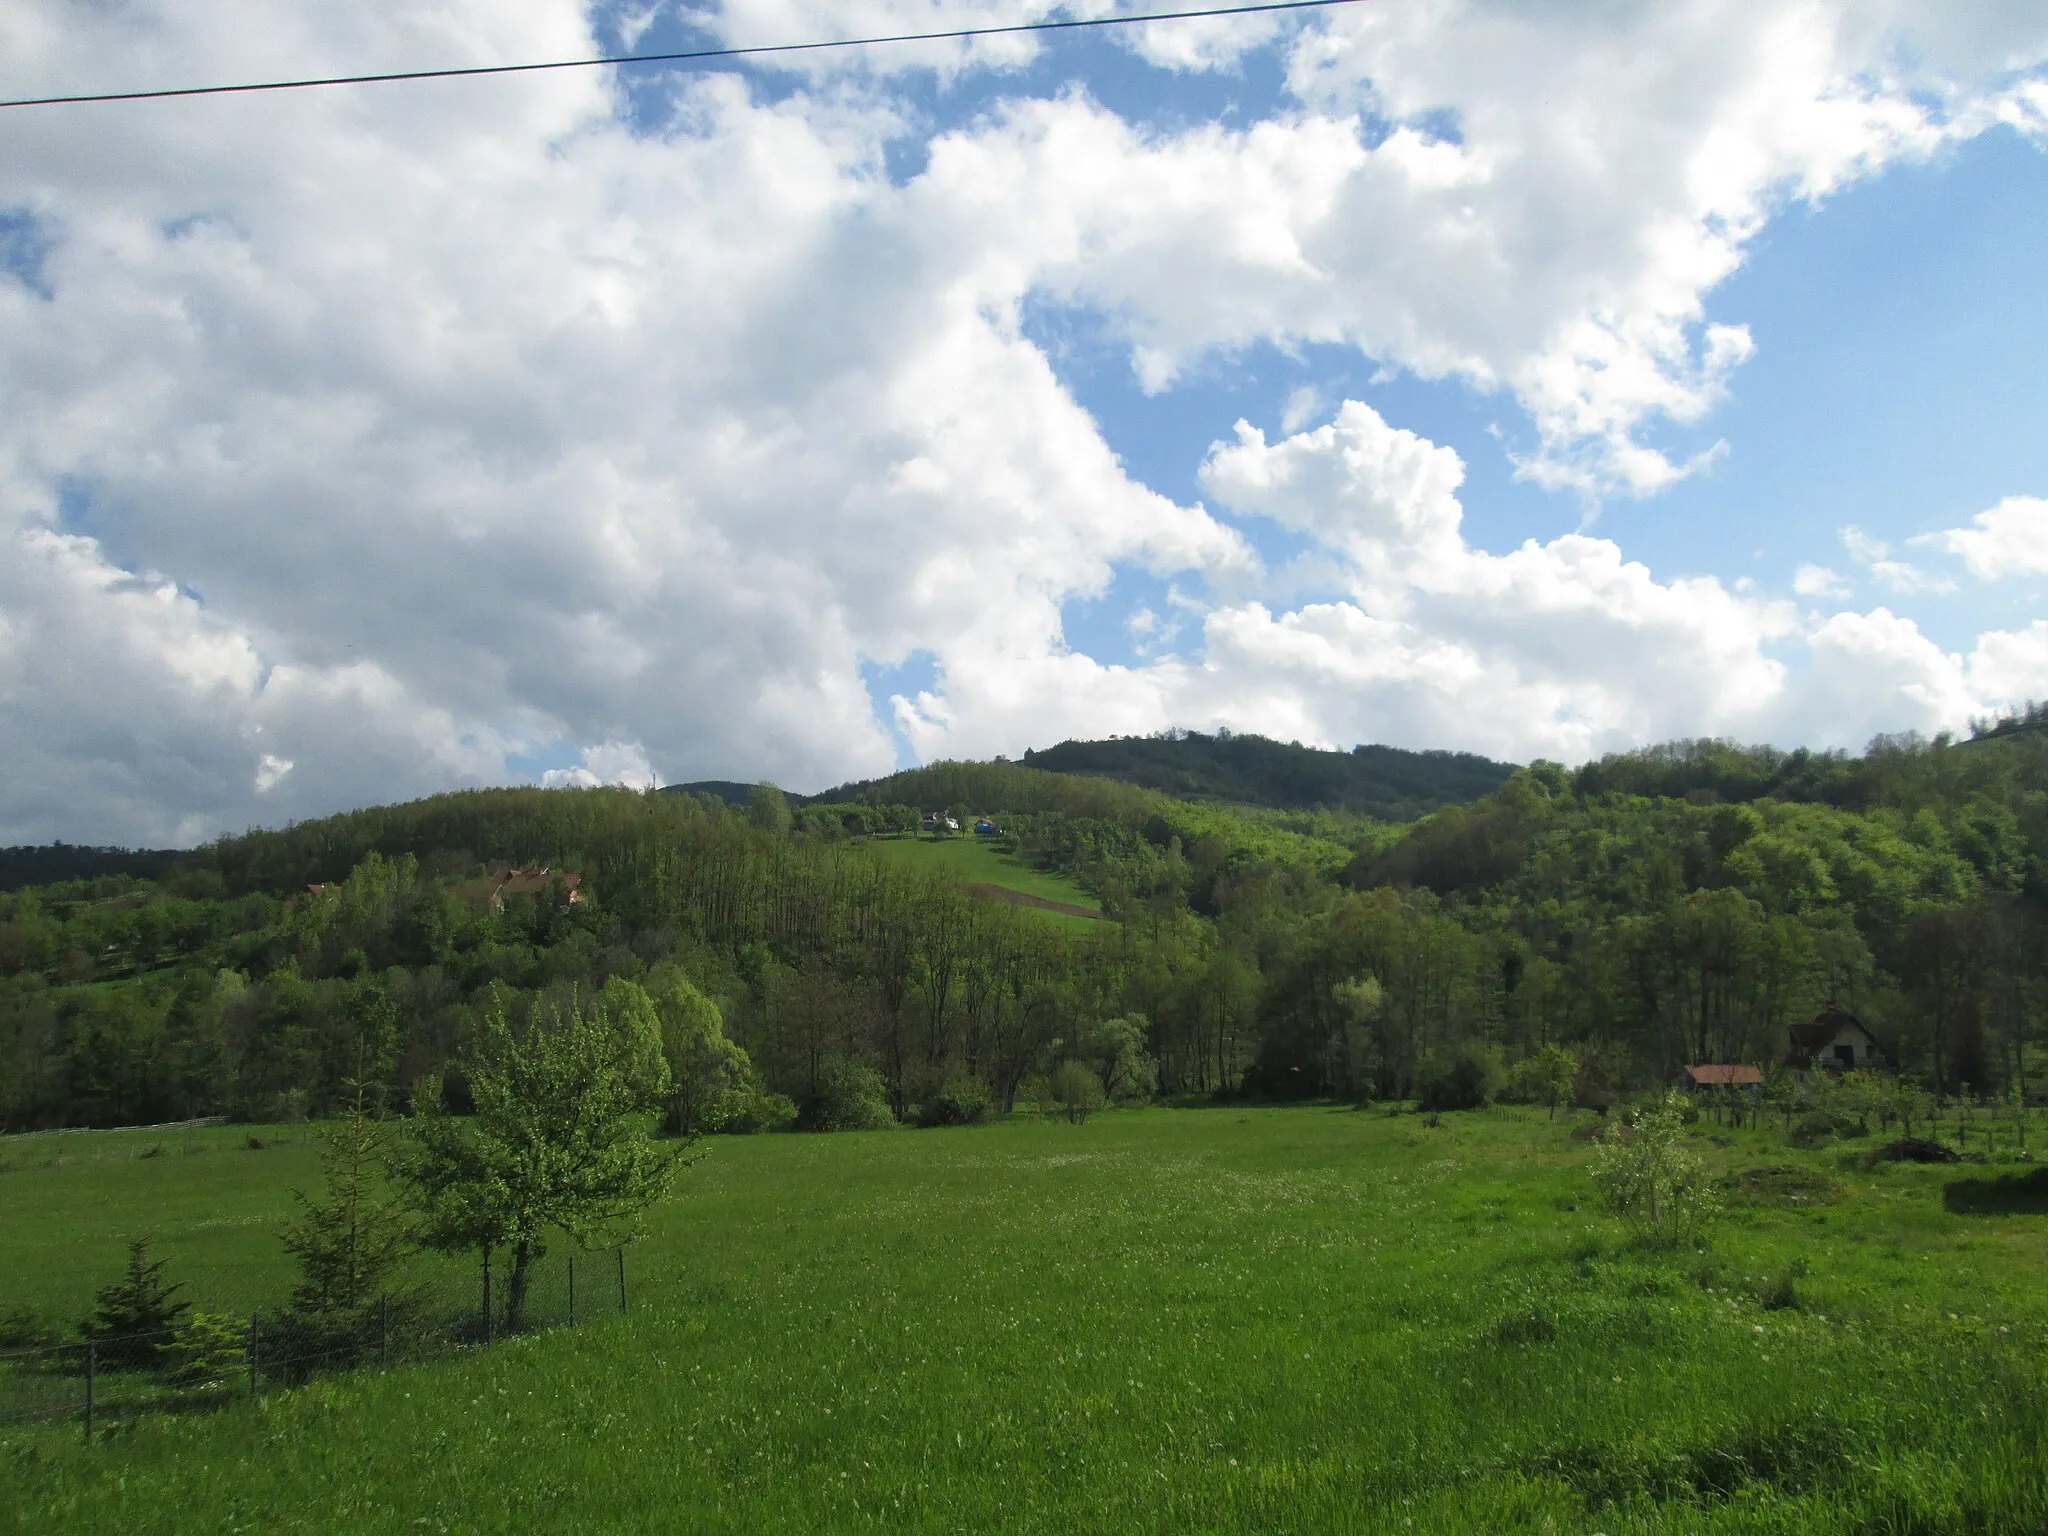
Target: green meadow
point(1303, 1319)
point(982, 861)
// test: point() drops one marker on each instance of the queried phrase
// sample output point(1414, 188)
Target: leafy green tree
point(850, 1097)
point(555, 1146)
point(138, 1314)
point(639, 1028)
point(1547, 1076)
point(1115, 1050)
point(706, 1071)
point(768, 809)
point(1077, 1090)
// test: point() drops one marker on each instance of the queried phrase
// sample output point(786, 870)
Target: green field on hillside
point(981, 861)
point(1307, 1319)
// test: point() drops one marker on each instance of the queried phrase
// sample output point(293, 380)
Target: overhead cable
point(691, 56)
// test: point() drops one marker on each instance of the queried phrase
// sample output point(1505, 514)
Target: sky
point(1540, 380)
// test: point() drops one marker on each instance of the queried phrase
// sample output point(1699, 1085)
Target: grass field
point(979, 861)
point(1276, 1320)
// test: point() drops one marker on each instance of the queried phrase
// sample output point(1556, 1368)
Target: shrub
point(1465, 1081)
point(1077, 1091)
point(964, 1102)
point(850, 1097)
point(753, 1108)
point(1653, 1180)
point(20, 1328)
point(208, 1350)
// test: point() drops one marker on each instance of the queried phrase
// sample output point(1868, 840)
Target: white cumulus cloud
point(2010, 539)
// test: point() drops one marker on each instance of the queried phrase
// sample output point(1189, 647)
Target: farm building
point(1721, 1076)
point(1836, 1041)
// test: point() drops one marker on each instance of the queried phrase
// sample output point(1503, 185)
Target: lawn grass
point(981, 861)
point(1300, 1320)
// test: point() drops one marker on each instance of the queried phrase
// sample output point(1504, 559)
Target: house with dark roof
point(1835, 1041)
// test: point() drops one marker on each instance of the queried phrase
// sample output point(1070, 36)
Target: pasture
point(1301, 1319)
point(979, 861)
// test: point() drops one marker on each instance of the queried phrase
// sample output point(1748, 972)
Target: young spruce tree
point(349, 1244)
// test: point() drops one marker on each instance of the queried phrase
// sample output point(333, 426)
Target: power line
point(693, 56)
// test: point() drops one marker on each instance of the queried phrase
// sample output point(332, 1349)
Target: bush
point(1653, 1181)
point(208, 1350)
point(753, 1109)
point(850, 1097)
point(20, 1328)
point(1465, 1081)
point(960, 1103)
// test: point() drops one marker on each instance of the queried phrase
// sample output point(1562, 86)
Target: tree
point(850, 1097)
point(554, 1146)
point(706, 1070)
point(1077, 1090)
point(1548, 1075)
point(768, 808)
point(137, 1314)
point(349, 1244)
point(1115, 1049)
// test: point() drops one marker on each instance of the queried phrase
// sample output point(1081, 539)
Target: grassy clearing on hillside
point(978, 861)
point(1278, 1320)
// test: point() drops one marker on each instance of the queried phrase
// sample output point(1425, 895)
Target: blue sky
point(1607, 373)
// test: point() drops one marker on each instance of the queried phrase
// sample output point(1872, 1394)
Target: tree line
point(1683, 904)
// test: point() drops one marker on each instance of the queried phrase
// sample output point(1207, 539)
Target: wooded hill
point(1387, 783)
point(1682, 904)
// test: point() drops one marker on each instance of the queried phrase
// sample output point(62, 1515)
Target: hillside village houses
point(1837, 1041)
point(1834, 1041)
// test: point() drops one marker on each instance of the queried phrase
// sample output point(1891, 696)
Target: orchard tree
point(556, 1145)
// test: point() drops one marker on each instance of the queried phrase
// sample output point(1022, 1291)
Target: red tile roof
point(1726, 1076)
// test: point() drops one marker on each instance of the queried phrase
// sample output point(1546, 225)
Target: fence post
point(572, 1290)
point(487, 1298)
point(92, 1351)
point(384, 1329)
point(622, 1277)
point(255, 1351)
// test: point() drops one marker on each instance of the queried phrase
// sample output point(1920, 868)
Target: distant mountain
point(1386, 782)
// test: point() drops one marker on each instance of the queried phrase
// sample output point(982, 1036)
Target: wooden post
point(92, 1351)
point(487, 1298)
point(572, 1290)
point(622, 1277)
point(384, 1329)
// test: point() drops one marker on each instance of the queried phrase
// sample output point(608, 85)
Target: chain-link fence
point(235, 1332)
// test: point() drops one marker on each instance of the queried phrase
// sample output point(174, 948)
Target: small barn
point(1721, 1076)
point(1835, 1041)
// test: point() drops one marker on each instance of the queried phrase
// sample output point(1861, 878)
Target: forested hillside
point(1387, 782)
point(1681, 904)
